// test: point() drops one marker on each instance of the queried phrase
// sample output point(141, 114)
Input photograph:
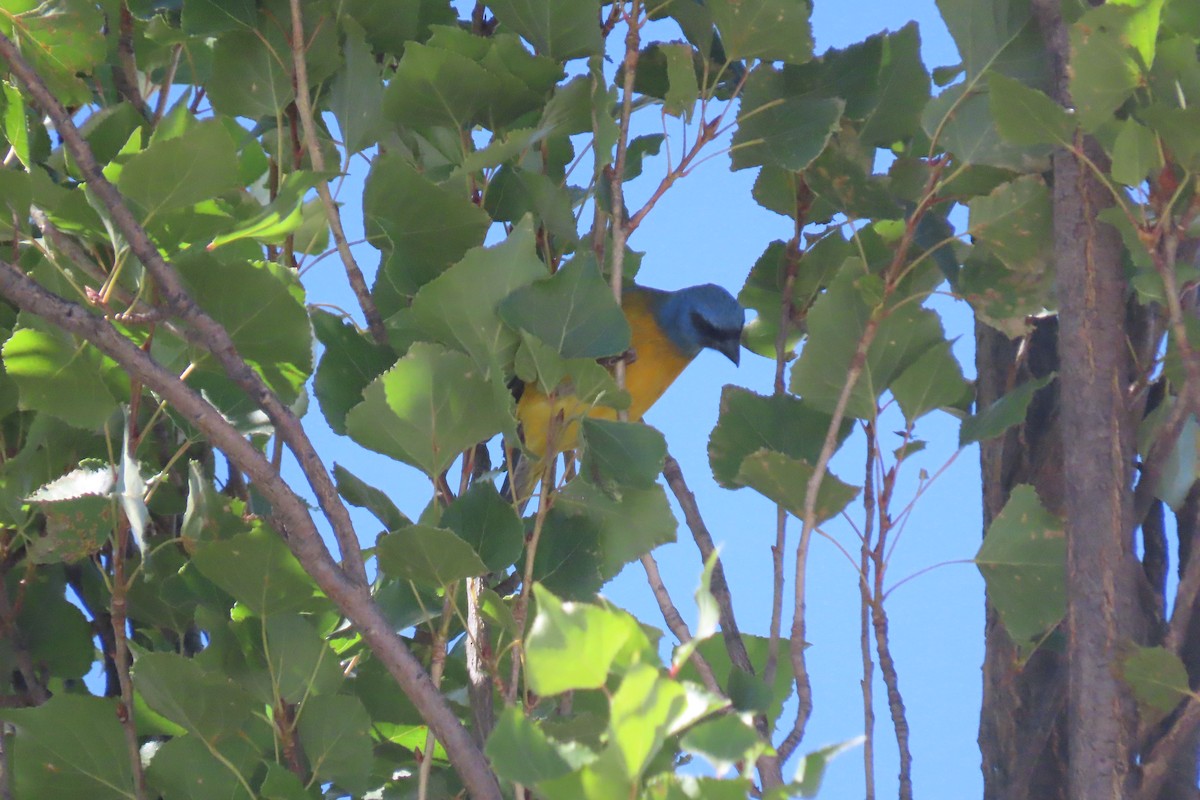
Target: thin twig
point(164, 91)
point(620, 229)
point(828, 447)
point(436, 667)
point(704, 543)
point(354, 275)
point(175, 297)
point(866, 602)
point(291, 513)
point(768, 765)
point(119, 618)
point(521, 607)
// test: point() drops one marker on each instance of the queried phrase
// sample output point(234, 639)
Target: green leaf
point(750, 422)
point(961, 121)
point(771, 30)
point(335, 732)
point(75, 529)
point(1015, 223)
point(356, 92)
point(1005, 412)
point(16, 123)
point(573, 311)
point(252, 69)
point(781, 130)
point(282, 784)
point(1177, 127)
point(842, 181)
point(709, 615)
point(56, 634)
point(358, 492)
point(560, 632)
point(1136, 154)
point(1010, 42)
point(207, 17)
point(458, 80)
point(257, 568)
point(620, 454)
point(672, 786)
point(1158, 679)
point(645, 709)
point(562, 30)
point(434, 87)
point(266, 317)
point(459, 307)
point(811, 770)
point(521, 752)
point(301, 663)
point(429, 555)
point(430, 406)
point(208, 704)
point(61, 377)
point(724, 741)
point(16, 192)
point(189, 768)
point(683, 88)
point(784, 480)
point(487, 522)
point(350, 362)
point(622, 529)
point(901, 90)
point(836, 324)
point(514, 192)
point(421, 227)
point(62, 39)
point(933, 381)
point(1105, 69)
point(71, 746)
point(1026, 116)
point(282, 216)
point(180, 172)
point(763, 290)
point(1023, 562)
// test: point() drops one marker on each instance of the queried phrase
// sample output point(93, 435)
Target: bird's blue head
point(703, 316)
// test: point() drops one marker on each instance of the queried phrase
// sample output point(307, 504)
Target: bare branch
point(119, 619)
point(768, 766)
point(1156, 766)
point(291, 514)
point(175, 298)
point(675, 621)
point(704, 542)
point(354, 275)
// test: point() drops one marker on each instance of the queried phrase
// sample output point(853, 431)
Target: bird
point(668, 329)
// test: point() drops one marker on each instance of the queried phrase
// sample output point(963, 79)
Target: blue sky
point(708, 229)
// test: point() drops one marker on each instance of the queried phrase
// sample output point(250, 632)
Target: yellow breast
point(657, 363)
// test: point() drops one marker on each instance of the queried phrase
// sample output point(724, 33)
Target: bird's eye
point(708, 332)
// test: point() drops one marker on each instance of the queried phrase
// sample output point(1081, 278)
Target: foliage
point(144, 425)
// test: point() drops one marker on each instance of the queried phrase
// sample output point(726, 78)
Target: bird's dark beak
point(731, 348)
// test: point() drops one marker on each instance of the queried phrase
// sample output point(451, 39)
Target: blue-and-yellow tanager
point(667, 331)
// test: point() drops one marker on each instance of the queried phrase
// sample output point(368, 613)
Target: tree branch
point(175, 298)
point(675, 622)
point(354, 275)
point(291, 513)
point(1098, 448)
